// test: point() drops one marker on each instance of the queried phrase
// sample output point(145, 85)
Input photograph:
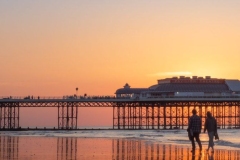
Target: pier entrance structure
point(166, 105)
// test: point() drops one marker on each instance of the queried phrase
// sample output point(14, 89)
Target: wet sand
point(63, 148)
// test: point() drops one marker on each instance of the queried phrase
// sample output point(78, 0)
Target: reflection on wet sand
point(134, 149)
point(9, 147)
point(66, 148)
point(62, 148)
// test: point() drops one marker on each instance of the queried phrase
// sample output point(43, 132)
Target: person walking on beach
point(211, 127)
point(194, 129)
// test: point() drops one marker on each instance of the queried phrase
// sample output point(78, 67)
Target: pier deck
point(150, 113)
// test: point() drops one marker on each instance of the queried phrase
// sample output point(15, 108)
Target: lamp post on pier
point(76, 91)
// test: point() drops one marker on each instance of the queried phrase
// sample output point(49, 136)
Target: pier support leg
point(67, 115)
point(9, 116)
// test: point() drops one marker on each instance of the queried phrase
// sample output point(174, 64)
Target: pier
point(169, 112)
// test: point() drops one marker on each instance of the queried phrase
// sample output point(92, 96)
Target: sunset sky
point(48, 48)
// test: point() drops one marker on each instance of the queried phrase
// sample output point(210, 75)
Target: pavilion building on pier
point(169, 103)
point(183, 86)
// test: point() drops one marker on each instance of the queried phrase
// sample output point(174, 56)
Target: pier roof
point(130, 90)
point(187, 84)
point(178, 87)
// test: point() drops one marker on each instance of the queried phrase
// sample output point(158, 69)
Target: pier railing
point(114, 97)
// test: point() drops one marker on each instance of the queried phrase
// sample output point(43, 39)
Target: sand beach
point(77, 145)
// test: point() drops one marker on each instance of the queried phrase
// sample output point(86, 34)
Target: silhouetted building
point(185, 87)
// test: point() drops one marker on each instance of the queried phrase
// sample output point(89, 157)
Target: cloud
point(182, 73)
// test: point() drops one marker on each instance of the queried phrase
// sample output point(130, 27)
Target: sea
point(112, 144)
point(228, 138)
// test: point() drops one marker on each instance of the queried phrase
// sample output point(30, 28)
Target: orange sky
point(49, 48)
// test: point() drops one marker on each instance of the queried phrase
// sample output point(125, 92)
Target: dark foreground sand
point(68, 148)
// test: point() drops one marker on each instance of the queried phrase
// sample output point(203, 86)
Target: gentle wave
point(228, 137)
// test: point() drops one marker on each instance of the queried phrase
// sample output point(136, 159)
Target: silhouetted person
point(211, 127)
point(194, 129)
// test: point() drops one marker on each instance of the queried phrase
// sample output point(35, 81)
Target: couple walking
point(195, 126)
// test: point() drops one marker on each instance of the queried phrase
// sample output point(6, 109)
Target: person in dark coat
point(211, 127)
point(194, 129)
